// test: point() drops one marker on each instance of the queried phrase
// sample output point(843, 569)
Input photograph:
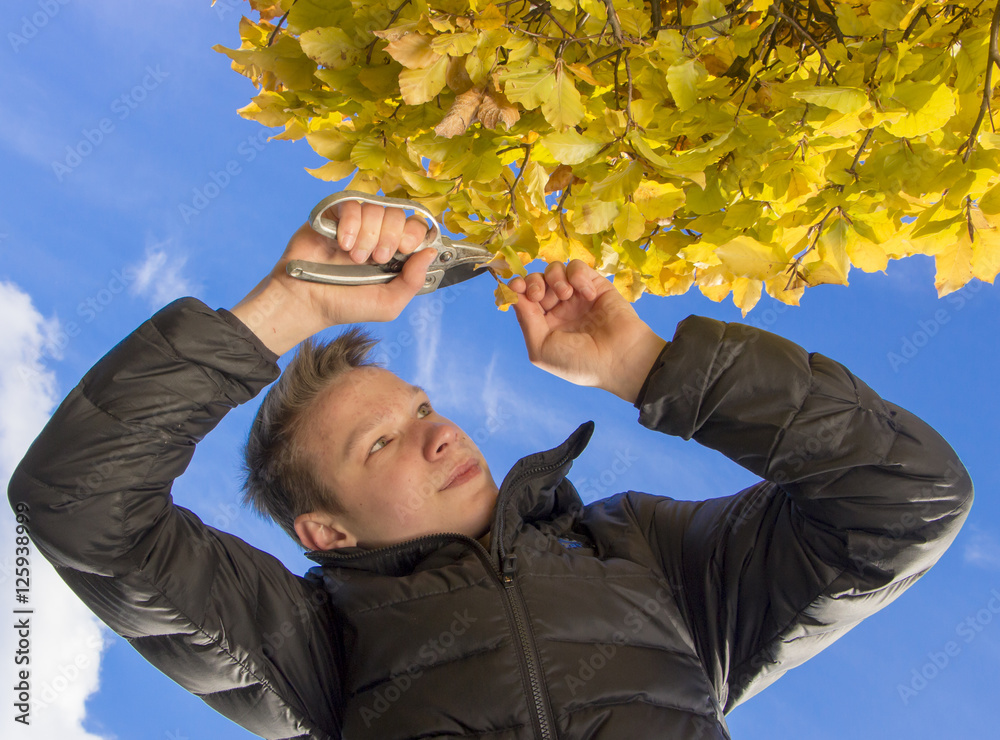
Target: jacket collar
point(534, 490)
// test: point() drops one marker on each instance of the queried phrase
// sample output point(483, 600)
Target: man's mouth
point(465, 472)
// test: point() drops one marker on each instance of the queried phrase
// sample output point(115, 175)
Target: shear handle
point(328, 227)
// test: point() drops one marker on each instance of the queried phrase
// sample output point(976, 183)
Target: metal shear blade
point(455, 261)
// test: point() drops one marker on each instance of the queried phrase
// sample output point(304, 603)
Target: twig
point(395, 15)
point(281, 22)
point(857, 157)
point(629, 121)
point(616, 26)
point(520, 171)
point(815, 231)
point(562, 213)
point(654, 16)
point(992, 58)
point(808, 37)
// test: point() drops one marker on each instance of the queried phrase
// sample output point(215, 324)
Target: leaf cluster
point(759, 145)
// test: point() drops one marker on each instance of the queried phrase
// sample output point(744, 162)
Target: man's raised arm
point(224, 620)
point(860, 497)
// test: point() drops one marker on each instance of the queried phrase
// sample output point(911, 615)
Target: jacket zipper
point(529, 655)
point(516, 611)
point(513, 603)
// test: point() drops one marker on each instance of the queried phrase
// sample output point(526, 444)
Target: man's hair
point(279, 482)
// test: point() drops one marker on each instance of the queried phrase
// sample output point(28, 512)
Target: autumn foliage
point(756, 145)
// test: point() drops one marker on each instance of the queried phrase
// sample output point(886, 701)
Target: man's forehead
point(357, 402)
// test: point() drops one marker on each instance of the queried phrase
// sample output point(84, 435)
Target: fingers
point(558, 283)
point(531, 319)
point(371, 230)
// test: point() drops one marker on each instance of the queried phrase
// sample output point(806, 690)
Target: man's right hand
point(283, 311)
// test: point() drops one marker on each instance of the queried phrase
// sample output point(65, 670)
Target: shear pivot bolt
point(446, 257)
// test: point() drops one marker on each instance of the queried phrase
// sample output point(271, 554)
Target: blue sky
point(116, 115)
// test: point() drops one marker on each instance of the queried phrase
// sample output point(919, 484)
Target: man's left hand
point(578, 327)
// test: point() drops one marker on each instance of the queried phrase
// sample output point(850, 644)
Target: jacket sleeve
point(226, 621)
point(859, 499)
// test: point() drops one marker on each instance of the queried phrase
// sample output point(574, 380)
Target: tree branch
point(281, 22)
point(807, 37)
point(616, 26)
point(992, 58)
point(816, 230)
point(520, 171)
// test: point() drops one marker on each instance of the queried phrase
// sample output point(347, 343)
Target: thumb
point(410, 281)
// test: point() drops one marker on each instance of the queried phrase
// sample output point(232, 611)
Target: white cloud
point(982, 549)
point(158, 278)
point(65, 638)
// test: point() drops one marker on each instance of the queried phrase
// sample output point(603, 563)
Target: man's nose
point(440, 435)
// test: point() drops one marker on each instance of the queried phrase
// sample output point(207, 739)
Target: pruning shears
point(456, 260)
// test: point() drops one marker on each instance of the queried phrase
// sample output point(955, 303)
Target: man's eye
point(424, 410)
point(379, 444)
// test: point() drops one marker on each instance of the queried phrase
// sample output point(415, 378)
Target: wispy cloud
point(982, 549)
point(159, 278)
point(66, 640)
point(428, 333)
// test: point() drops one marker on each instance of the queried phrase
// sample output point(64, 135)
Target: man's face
point(400, 470)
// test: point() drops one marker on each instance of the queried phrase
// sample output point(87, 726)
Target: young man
point(444, 605)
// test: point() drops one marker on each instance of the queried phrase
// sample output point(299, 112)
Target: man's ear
point(321, 531)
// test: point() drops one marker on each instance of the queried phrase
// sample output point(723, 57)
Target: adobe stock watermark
point(31, 25)
point(938, 660)
point(928, 328)
point(217, 181)
point(121, 107)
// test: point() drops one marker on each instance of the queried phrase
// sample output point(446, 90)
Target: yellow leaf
point(583, 72)
point(513, 262)
point(683, 80)
point(570, 147)
point(629, 224)
point(929, 107)
point(330, 47)
point(421, 85)
point(746, 293)
point(746, 257)
point(368, 154)
point(490, 18)
point(553, 247)
point(657, 201)
point(530, 87)
point(629, 284)
point(413, 51)
point(455, 44)
point(986, 254)
point(887, 14)
point(564, 107)
point(865, 254)
point(848, 100)
point(832, 264)
point(990, 202)
point(504, 296)
point(622, 181)
point(595, 216)
point(954, 265)
point(332, 171)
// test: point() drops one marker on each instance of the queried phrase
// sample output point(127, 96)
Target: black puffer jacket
point(633, 617)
